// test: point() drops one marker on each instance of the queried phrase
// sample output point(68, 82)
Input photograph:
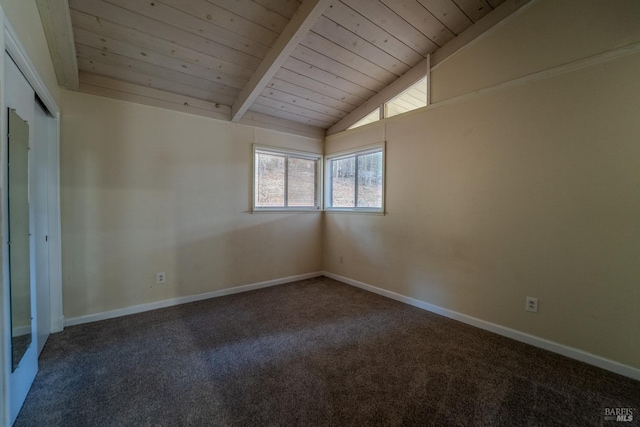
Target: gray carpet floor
point(311, 353)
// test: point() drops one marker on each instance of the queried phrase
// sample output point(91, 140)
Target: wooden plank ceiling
point(199, 55)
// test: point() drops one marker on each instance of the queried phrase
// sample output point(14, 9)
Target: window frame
point(297, 154)
point(360, 123)
point(385, 107)
point(383, 110)
point(359, 151)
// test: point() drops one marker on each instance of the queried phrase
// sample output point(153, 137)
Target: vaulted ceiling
point(300, 66)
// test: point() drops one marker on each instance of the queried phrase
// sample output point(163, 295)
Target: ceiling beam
point(456, 45)
point(56, 21)
point(307, 14)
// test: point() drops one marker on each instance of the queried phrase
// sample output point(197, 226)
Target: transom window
point(373, 116)
point(409, 99)
point(355, 180)
point(285, 180)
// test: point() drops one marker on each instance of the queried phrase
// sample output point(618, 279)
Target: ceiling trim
point(461, 42)
point(56, 21)
point(307, 14)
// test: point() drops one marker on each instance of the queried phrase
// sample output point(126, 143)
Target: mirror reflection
point(19, 268)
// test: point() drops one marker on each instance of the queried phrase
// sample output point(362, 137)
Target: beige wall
point(532, 191)
point(25, 20)
point(146, 190)
point(541, 35)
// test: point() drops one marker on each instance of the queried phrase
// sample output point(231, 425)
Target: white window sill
point(285, 211)
point(356, 211)
point(331, 211)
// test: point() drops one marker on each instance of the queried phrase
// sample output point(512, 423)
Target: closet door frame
point(10, 44)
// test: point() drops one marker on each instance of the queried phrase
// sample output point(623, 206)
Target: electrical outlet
point(161, 277)
point(341, 259)
point(531, 304)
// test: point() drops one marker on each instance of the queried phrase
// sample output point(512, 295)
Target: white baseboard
point(183, 300)
point(21, 330)
point(573, 353)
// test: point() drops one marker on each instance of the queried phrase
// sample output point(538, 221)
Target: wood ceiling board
point(474, 9)
point(416, 98)
point(320, 75)
point(398, 86)
point(421, 19)
point(336, 68)
point(394, 110)
point(174, 17)
point(311, 95)
point(237, 24)
point(447, 12)
point(115, 89)
point(508, 8)
point(358, 24)
point(317, 86)
point(207, 86)
point(295, 109)
point(58, 31)
point(286, 8)
point(389, 21)
point(253, 118)
point(130, 51)
point(222, 111)
point(341, 36)
point(256, 13)
point(291, 36)
point(147, 100)
point(129, 76)
point(256, 106)
point(405, 104)
point(125, 18)
point(145, 41)
point(325, 46)
point(418, 92)
point(408, 101)
point(286, 98)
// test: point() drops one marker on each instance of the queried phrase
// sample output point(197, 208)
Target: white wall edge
point(573, 353)
point(5, 308)
point(55, 247)
point(184, 300)
point(17, 52)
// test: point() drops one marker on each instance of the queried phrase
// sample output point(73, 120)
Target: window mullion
point(316, 189)
point(286, 181)
point(355, 186)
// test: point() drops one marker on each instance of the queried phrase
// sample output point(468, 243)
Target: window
point(355, 180)
point(373, 116)
point(410, 99)
point(285, 180)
